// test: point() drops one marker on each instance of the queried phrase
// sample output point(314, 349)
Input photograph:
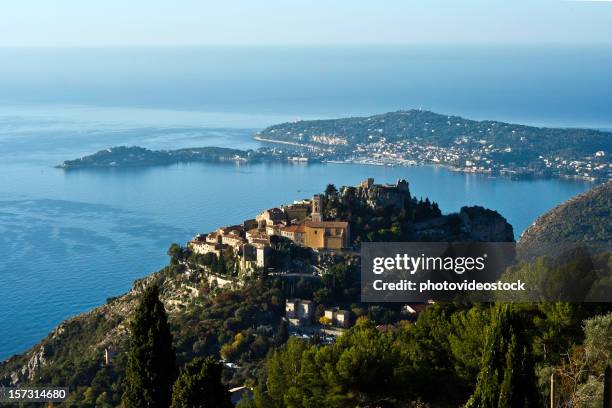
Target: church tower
point(316, 216)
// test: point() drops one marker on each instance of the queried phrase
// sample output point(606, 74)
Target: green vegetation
point(151, 378)
point(286, 256)
point(151, 361)
point(401, 365)
point(576, 276)
point(445, 349)
point(507, 377)
point(581, 372)
point(199, 386)
point(135, 156)
point(123, 156)
point(583, 220)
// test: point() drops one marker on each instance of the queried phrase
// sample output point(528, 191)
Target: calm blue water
point(70, 240)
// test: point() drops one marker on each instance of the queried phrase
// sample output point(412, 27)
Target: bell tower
point(316, 216)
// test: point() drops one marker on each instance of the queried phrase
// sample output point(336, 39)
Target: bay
point(69, 240)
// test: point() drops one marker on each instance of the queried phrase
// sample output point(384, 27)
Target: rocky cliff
point(470, 224)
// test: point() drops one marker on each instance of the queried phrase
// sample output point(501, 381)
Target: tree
point(282, 368)
point(235, 347)
point(176, 253)
point(282, 334)
point(151, 365)
point(325, 321)
point(199, 386)
point(506, 377)
point(582, 372)
point(331, 191)
point(598, 340)
point(466, 341)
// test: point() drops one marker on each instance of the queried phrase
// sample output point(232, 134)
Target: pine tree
point(199, 386)
point(506, 377)
point(151, 360)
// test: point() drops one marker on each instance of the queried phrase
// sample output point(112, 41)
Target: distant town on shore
point(415, 137)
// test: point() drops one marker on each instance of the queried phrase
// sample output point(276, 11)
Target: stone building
point(317, 209)
point(299, 312)
point(295, 233)
point(271, 216)
point(320, 234)
point(296, 212)
point(338, 317)
point(202, 245)
point(326, 234)
point(253, 256)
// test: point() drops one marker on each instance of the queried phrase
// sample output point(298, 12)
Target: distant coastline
point(416, 137)
point(403, 138)
point(262, 139)
point(373, 162)
point(136, 156)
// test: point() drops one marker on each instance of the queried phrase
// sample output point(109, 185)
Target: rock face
point(474, 224)
point(378, 196)
point(584, 220)
point(485, 225)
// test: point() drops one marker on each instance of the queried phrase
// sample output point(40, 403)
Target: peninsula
point(423, 137)
point(135, 156)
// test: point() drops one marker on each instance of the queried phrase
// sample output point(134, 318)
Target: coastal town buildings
point(299, 312)
point(295, 233)
point(326, 234)
point(270, 217)
point(303, 222)
point(201, 245)
point(338, 317)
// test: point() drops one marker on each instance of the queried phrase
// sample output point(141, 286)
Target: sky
point(82, 23)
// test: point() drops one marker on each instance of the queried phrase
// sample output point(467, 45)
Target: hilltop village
point(308, 238)
point(303, 231)
point(300, 222)
point(250, 247)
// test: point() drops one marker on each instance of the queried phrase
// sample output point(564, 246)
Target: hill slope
point(586, 218)
point(442, 130)
point(469, 145)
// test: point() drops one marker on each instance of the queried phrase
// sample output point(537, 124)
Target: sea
point(71, 239)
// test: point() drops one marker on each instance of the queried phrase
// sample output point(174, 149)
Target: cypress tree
point(199, 386)
point(282, 334)
point(506, 377)
point(151, 359)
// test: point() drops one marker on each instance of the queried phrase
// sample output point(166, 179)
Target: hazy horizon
point(538, 85)
point(71, 23)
